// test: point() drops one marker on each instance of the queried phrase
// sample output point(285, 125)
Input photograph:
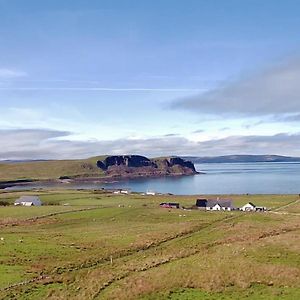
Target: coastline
point(79, 180)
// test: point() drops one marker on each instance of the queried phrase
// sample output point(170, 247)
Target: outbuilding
point(28, 201)
point(169, 205)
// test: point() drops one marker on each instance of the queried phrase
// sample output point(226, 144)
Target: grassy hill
point(50, 169)
point(54, 169)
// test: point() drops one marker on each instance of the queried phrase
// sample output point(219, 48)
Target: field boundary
point(33, 219)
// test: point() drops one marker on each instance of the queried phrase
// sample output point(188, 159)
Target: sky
point(162, 77)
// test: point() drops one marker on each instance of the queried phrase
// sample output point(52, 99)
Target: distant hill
point(241, 159)
point(120, 166)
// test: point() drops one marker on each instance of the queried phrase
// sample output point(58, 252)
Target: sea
point(217, 178)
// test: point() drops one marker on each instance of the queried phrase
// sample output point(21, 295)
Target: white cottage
point(150, 193)
point(215, 207)
point(28, 201)
point(126, 192)
point(121, 191)
point(248, 207)
point(214, 204)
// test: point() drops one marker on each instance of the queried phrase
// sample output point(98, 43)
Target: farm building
point(150, 193)
point(248, 207)
point(252, 207)
point(214, 204)
point(28, 201)
point(169, 205)
point(121, 191)
point(260, 208)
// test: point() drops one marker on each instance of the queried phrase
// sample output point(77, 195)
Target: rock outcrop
point(141, 166)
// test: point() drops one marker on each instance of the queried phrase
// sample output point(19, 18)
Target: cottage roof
point(169, 203)
point(212, 202)
point(222, 203)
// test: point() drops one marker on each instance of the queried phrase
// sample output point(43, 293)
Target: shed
point(28, 201)
point(169, 205)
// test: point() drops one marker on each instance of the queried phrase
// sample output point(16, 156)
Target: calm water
point(237, 178)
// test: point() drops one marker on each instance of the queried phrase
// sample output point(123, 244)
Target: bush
point(4, 203)
point(51, 203)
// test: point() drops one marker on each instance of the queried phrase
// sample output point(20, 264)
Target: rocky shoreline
point(106, 179)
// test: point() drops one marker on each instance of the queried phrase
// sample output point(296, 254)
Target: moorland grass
point(38, 170)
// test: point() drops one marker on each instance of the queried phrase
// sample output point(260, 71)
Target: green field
point(38, 170)
point(95, 245)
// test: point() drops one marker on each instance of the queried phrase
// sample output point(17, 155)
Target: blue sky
point(80, 78)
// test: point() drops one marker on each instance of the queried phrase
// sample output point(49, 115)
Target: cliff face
point(136, 165)
point(134, 161)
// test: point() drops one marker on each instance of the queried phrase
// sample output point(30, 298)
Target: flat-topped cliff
point(136, 165)
point(99, 168)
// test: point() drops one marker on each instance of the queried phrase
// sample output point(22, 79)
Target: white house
point(214, 204)
point(252, 207)
point(150, 193)
point(28, 201)
point(124, 192)
point(248, 207)
point(215, 207)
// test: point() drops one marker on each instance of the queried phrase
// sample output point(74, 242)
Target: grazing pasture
point(96, 245)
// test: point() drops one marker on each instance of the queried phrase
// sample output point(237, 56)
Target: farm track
point(285, 206)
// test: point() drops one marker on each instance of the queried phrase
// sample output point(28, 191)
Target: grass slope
point(157, 253)
point(50, 169)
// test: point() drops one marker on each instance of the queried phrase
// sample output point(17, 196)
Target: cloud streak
point(272, 92)
point(10, 74)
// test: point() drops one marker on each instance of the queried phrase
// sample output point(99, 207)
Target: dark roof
point(222, 203)
point(212, 202)
point(169, 203)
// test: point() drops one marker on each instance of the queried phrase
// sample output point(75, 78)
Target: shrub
point(51, 203)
